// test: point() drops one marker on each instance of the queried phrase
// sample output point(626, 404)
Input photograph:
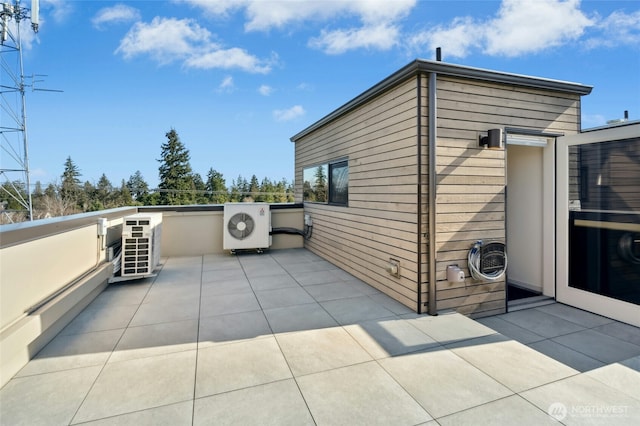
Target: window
point(327, 183)
point(339, 183)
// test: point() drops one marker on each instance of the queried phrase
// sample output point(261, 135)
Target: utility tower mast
point(14, 156)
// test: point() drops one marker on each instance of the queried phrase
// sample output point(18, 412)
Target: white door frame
point(517, 136)
point(602, 305)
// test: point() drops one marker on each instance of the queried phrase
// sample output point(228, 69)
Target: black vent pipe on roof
point(439, 54)
point(626, 115)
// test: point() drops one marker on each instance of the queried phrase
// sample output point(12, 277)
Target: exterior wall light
point(493, 140)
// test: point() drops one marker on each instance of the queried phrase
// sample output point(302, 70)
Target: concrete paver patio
point(287, 338)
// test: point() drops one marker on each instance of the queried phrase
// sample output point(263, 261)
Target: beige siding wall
point(382, 219)
point(471, 181)
point(380, 222)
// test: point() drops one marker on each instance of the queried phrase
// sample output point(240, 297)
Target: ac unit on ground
point(141, 238)
point(246, 226)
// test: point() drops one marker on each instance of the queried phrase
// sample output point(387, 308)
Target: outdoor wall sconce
point(493, 140)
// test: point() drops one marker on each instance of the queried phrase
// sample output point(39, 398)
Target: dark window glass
point(339, 183)
point(604, 219)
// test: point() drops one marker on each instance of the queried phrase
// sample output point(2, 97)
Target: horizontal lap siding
point(471, 181)
point(380, 222)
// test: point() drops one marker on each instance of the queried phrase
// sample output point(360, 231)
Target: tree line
point(178, 185)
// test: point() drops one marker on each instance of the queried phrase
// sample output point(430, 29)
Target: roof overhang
point(423, 66)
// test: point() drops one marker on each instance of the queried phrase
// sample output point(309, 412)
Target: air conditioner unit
point(246, 226)
point(141, 238)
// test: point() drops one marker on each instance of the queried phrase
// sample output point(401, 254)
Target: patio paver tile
point(167, 311)
point(332, 291)
point(599, 346)
point(272, 282)
point(575, 315)
point(282, 297)
point(299, 317)
point(38, 400)
point(442, 382)
point(356, 309)
point(221, 304)
point(156, 339)
point(312, 351)
point(510, 410)
point(231, 328)
point(450, 327)
point(511, 363)
point(277, 403)
point(541, 323)
point(359, 394)
point(65, 352)
point(178, 414)
point(389, 337)
point(214, 289)
point(620, 377)
point(580, 400)
point(621, 331)
point(134, 385)
point(565, 355)
point(101, 317)
point(225, 368)
point(510, 330)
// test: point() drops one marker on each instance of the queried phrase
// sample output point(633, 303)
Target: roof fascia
point(442, 68)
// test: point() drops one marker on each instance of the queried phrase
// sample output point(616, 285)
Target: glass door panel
point(599, 222)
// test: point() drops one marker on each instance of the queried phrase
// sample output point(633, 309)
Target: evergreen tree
point(138, 188)
point(320, 187)
point(200, 188)
point(217, 187)
point(89, 199)
point(104, 192)
point(70, 186)
point(239, 189)
point(268, 191)
point(12, 194)
point(254, 189)
point(122, 196)
point(176, 181)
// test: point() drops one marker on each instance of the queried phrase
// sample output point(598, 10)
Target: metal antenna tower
point(14, 156)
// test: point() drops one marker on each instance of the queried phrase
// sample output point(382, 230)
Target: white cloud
point(217, 7)
point(115, 14)
point(289, 114)
point(167, 40)
point(226, 85)
point(455, 40)
point(382, 37)
point(525, 26)
point(379, 19)
point(264, 15)
point(617, 29)
point(304, 86)
point(265, 90)
point(228, 59)
point(59, 10)
point(519, 27)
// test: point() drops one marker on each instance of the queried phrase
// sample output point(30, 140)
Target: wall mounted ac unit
point(141, 238)
point(246, 226)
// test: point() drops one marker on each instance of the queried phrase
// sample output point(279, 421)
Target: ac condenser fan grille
point(240, 225)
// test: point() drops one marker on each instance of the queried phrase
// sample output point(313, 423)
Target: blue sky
point(236, 79)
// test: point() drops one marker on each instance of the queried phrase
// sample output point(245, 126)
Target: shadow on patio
point(287, 338)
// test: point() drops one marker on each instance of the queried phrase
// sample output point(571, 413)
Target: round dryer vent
point(240, 225)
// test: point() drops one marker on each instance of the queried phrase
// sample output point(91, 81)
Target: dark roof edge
point(420, 65)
